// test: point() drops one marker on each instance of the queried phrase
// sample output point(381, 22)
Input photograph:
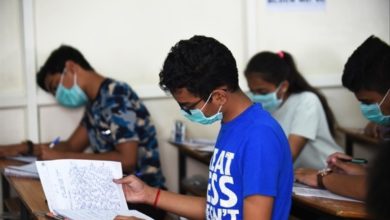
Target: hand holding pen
point(47, 152)
point(342, 163)
point(54, 142)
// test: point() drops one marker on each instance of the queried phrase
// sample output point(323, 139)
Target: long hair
point(278, 67)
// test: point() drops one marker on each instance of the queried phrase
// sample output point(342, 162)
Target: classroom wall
point(128, 40)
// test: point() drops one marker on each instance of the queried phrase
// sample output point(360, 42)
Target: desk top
point(29, 191)
point(201, 156)
point(357, 135)
point(338, 208)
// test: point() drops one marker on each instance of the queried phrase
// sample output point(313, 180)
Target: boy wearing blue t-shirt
point(250, 173)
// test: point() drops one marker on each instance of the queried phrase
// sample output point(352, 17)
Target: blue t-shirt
point(251, 157)
point(117, 115)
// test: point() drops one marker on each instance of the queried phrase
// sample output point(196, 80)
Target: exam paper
point(82, 184)
point(100, 215)
point(303, 190)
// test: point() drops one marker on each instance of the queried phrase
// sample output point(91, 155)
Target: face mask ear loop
point(384, 98)
point(62, 77)
point(206, 101)
point(277, 90)
point(219, 110)
point(75, 79)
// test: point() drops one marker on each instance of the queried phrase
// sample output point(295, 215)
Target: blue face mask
point(373, 112)
point(198, 116)
point(73, 97)
point(270, 101)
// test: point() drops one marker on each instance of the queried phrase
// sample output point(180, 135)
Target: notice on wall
point(295, 5)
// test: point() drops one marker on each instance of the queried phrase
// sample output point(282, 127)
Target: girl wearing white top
point(302, 111)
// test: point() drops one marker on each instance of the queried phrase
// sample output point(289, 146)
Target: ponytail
point(299, 84)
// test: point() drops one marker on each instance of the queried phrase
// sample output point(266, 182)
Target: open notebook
point(83, 189)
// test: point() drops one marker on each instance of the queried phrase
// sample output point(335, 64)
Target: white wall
point(129, 39)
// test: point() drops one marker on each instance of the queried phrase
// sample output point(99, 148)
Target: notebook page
point(82, 184)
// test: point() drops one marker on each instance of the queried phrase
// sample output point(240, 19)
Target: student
point(302, 111)
point(116, 124)
point(366, 74)
point(250, 173)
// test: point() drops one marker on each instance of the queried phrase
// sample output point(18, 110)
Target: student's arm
point(77, 142)
point(136, 191)
point(353, 186)
point(346, 185)
point(335, 162)
point(125, 152)
point(297, 143)
point(258, 207)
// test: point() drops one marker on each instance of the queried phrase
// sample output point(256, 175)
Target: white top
point(302, 114)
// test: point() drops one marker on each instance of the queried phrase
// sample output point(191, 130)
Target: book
point(83, 189)
point(304, 190)
point(28, 170)
point(27, 159)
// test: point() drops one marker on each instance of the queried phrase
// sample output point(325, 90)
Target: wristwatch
point(320, 176)
point(30, 147)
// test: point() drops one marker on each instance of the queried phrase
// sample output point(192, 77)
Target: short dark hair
point(368, 67)
point(200, 64)
point(56, 63)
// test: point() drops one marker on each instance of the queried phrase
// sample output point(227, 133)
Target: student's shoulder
point(115, 87)
point(305, 99)
point(263, 123)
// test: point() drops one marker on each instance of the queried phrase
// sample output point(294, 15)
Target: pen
point(54, 142)
point(355, 160)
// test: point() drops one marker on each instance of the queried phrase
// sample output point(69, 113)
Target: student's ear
point(71, 66)
point(219, 97)
point(284, 86)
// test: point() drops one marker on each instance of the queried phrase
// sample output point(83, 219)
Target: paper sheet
point(28, 170)
point(200, 144)
point(99, 215)
point(82, 184)
point(303, 190)
point(27, 159)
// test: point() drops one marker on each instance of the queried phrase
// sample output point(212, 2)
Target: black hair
point(55, 63)
point(368, 67)
point(199, 64)
point(278, 67)
point(378, 183)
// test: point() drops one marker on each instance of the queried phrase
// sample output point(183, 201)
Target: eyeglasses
point(187, 109)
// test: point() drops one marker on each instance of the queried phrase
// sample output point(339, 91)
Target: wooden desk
point(184, 152)
point(29, 191)
point(353, 135)
point(343, 209)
